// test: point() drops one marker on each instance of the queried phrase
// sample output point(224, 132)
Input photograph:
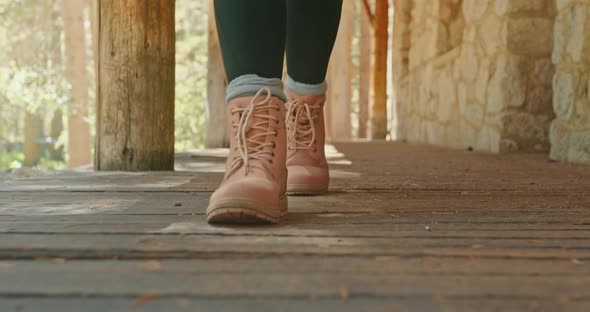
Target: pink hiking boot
point(254, 187)
point(306, 160)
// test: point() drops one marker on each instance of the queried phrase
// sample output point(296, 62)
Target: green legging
point(254, 35)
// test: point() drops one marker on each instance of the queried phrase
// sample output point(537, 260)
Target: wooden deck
point(405, 228)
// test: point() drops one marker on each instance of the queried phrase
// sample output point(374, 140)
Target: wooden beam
point(135, 113)
point(379, 78)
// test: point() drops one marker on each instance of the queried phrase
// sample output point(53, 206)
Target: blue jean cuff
point(248, 85)
point(304, 88)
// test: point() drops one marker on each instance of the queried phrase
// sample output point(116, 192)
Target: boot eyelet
point(276, 133)
point(274, 145)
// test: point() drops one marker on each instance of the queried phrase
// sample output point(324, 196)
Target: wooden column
point(339, 77)
point(216, 86)
point(135, 113)
point(365, 49)
point(378, 103)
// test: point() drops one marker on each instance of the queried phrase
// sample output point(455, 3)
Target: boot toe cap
point(307, 180)
point(261, 195)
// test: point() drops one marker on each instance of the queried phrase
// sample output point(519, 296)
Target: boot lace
point(302, 115)
point(255, 117)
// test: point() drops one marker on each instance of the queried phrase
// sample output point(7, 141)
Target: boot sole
point(306, 190)
point(239, 212)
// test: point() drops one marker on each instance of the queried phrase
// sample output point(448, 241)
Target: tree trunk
point(365, 47)
point(93, 4)
point(33, 130)
point(78, 127)
point(378, 103)
point(216, 85)
point(56, 128)
point(339, 76)
point(135, 113)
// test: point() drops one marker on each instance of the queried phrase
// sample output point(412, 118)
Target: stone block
point(447, 97)
point(530, 131)
point(468, 134)
point(468, 62)
point(488, 139)
point(540, 100)
point(481, 84)
point(530, 36)
point(579, 147)
point(577, 37)
point(504, 7)
point(559, 138)
point(473, 10)
point(559, 39)
point(508, 85)
point(492, 34)
point(563, 94)
point(508, 146)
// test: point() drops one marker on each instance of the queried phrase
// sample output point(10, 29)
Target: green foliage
point(31, 72)
point(191, 73)
point(11, 160)
point(34, 87)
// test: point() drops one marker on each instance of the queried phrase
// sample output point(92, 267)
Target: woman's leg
point(252, 39)
point(311, 31)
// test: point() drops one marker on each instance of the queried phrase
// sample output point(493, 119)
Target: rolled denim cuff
point(307, 89)
point(248, 85)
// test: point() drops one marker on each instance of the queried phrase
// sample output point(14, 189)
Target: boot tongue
point(256, 120)
point(258, 129)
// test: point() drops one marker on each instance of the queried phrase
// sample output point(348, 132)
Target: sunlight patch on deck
point(22, 206)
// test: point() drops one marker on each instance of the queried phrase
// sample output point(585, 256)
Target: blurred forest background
point(47, 79)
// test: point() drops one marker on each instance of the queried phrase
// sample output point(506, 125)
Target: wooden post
point(365, 47)
point(135, 113)
point(216, 86)
point(378, 102)
point(339, 77)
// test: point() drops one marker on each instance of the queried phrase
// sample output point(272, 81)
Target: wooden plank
point(157, 246)
point(433, 203)
point(402, 167)
point(541, 220)
point(309, 264)
point(309, 225)
point(111, 278)
point(310, 303)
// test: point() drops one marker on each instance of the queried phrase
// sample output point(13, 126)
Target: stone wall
point(570, 131)
point(474, 73)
